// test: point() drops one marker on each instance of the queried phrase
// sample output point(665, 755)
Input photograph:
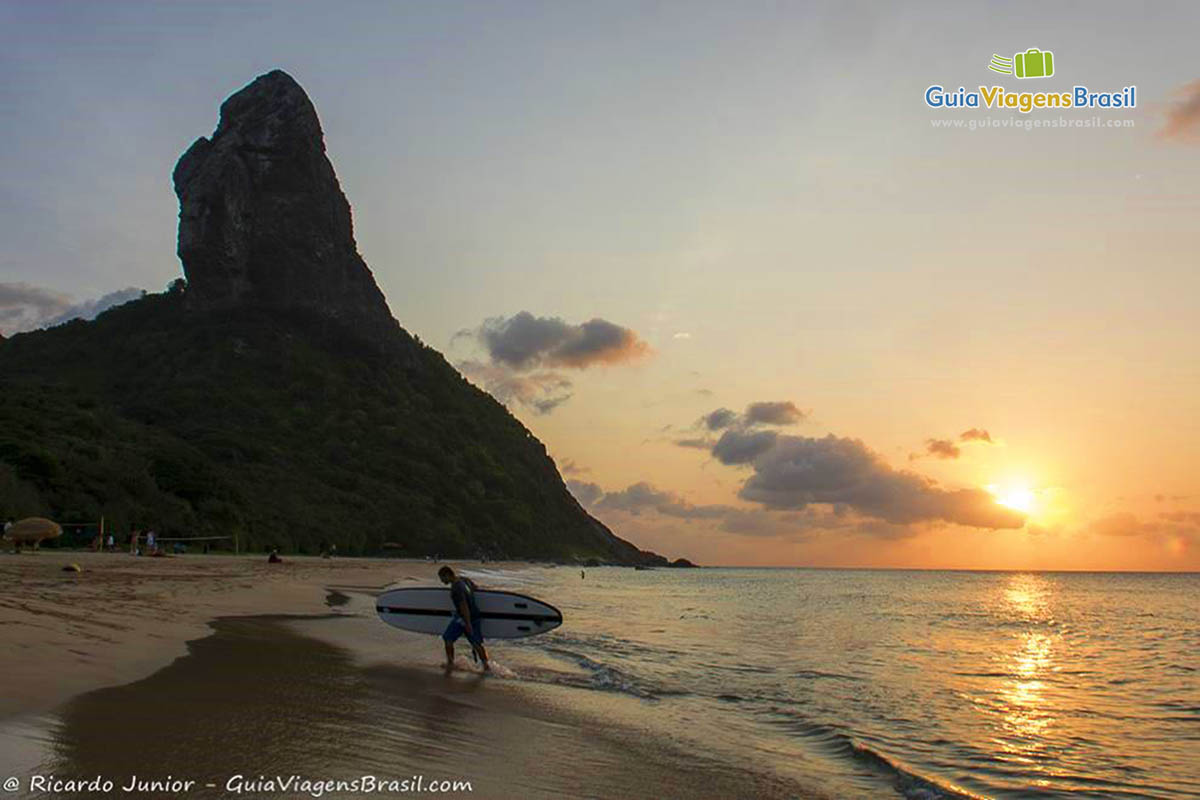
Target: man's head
point(447, 575)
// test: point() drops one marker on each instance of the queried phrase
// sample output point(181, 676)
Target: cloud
point(586, 492)
point(643, 498)
point(1177, 532)
point(795, 472)
point(942, 448)
point(640, 497)
point(1121, 524)
point(737, 446)
point(721, 418)
point(699, 443)
point(772, 413)
point(523, 351)
point(540, 392)
point(569, 467)
point(525, 342)
point(1182, 517)
point(975, 435)
point(24, 307)
point(1183, 117)
point(946, 448)
point(777, 413)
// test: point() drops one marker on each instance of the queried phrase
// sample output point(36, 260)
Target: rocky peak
point(262, 218)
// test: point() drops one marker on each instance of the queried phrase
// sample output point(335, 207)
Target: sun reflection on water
point(1027, 713)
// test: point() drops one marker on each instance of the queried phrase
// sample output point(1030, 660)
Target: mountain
point(270, 393)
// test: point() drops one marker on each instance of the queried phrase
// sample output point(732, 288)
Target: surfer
point(466, 617)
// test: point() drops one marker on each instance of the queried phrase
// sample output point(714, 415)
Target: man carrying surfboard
point(466, 618)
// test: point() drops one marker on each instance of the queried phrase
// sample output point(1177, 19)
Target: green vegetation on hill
point(280, 427)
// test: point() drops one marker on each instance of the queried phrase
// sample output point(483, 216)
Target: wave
point(607, 643)
point(604, 677)
point(906, 781)
point(909, 782)
point(501, 577)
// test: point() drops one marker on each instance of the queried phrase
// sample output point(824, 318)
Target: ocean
point(915, 684)
point(923, 685)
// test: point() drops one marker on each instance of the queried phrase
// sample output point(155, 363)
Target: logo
point(1033, 63)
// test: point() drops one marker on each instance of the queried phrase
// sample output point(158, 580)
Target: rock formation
point(218, 408)
point(262, 219)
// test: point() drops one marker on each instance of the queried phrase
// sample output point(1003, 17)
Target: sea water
point(920, 684)
point(711, 683)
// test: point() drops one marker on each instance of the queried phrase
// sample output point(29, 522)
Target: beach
point(276, 679)
point(122, 618)
point(281, 681)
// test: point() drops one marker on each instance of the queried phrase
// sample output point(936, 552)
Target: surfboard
point(503, 615)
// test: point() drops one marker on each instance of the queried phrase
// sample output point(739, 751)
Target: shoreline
point(187, 651)
point(124, 617)
point(313, 715)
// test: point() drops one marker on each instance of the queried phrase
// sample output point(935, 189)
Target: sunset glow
point(1019, 497)
point(826, 326)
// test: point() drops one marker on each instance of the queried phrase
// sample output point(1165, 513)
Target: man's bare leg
point(482, 653)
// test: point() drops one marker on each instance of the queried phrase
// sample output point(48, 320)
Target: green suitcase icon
point(1034, 63)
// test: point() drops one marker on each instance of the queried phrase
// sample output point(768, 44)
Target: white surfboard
point(504, 615)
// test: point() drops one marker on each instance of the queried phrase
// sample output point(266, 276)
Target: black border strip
point(432, 612)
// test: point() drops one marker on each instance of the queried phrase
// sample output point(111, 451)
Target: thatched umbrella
point(32, 530)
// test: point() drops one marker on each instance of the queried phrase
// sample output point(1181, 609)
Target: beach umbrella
point(33, 530)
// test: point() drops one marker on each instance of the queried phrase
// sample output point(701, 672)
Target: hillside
point(268, 394)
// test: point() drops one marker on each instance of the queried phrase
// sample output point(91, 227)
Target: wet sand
point(218, 667)
point(124, 617)
point(258, 700)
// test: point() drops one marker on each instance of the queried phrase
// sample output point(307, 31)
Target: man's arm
point(464, 614)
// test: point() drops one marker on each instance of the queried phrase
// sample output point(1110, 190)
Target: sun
point(1018, 497)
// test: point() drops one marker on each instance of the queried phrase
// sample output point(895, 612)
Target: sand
point(204, 668)
point(124, 617)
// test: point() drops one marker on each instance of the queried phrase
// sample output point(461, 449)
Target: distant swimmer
point(466, 617)
point(274, 557)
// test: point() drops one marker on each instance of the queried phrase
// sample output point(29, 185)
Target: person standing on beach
point(466, 618)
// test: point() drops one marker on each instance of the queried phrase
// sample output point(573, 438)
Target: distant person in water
point(465, 619)
point(274, 557)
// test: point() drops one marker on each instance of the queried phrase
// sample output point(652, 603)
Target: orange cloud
point(1183, 117)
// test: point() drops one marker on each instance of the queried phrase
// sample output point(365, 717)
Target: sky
point(928, 346)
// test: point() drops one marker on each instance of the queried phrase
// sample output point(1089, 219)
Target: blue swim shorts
point(457, 628)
